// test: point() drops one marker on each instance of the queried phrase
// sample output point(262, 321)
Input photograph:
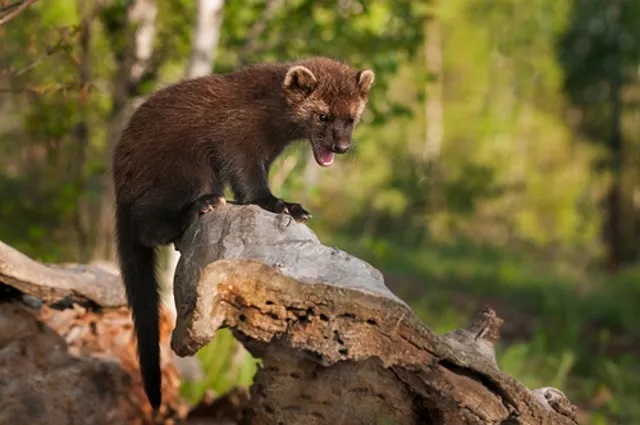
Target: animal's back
point(191, 128)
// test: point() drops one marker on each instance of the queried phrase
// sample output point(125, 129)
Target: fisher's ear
point(365, 80)
point(300, 80)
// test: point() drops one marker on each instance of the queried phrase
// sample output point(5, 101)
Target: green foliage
point(378, 35)
point(226, 365)
point(57, 13)
point(113, 19)
point(601, 40)
point(600, 51)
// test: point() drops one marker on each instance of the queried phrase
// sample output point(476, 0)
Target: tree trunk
point(69, 349)
point(337, 346)
point(434, 110)
point(615, 237)
point(205, 37)
point(81, 131)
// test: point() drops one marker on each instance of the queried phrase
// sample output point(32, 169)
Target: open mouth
point(324, 157)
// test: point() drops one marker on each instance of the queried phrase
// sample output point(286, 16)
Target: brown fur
point(191, 139)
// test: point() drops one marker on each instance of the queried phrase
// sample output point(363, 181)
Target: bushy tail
point(137, 265)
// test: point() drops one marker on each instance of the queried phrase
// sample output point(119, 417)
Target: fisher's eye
point(351, 120)
point(323, 117)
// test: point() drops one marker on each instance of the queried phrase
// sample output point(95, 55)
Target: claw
point(294, 210)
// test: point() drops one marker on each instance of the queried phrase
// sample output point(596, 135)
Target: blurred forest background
point(498, 162)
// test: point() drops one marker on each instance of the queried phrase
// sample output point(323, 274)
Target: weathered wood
point(75, 366)
point(42, 383)
point(336, 345)
point(70, 364)
point(52, 283)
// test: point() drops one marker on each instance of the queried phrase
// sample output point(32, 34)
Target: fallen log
point(67, 349)
point(95, 283)
point(337, 347)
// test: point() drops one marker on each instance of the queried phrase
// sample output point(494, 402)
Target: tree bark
point(13, 10)
point(67, 348)
point(336, 345)
point(96, 283)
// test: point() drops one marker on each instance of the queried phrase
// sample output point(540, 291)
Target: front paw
point(296, 211)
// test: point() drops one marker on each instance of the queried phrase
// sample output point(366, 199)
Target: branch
point(17, 7)
point(53, 283)
point(48, 88)
point(50, 51)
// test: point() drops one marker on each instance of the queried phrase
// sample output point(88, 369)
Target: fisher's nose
point(342, 147)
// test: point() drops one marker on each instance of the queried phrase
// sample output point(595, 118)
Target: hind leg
point(167, 209)
point(205, 204)
point(154, 231)
point(202, 205)
point(157, 227)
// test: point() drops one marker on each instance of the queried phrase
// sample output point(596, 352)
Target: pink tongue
point(323, 156)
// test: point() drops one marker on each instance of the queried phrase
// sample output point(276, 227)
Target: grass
point(226, 364)
point(576, 332)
